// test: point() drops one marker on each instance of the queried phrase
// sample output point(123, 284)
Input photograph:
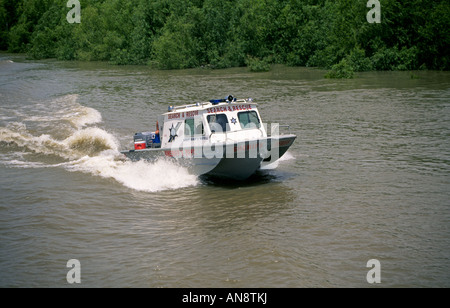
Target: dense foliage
point(172, 34)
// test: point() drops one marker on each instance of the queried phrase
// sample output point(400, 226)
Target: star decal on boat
point(173, 132)
point(234, 121)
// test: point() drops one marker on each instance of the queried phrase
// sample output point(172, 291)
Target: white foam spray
point(90, 150)
point(287, 156)
point(141, 176)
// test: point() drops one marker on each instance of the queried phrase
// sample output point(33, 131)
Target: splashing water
point(141, 176)
point(78, 148)
point(287, 156)
point(91, 141)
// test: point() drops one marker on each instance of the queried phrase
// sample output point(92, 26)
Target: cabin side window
point(218, 123)
point(193, 128)
point(249, 119)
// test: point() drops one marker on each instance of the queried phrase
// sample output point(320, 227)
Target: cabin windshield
point(249, 120)
point(218, 123)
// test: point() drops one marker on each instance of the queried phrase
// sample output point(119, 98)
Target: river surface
point(367, 178)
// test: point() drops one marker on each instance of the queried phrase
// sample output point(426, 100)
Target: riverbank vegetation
point(177, 34)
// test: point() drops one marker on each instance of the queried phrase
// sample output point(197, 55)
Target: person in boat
point(218, 123)
point(157, 136)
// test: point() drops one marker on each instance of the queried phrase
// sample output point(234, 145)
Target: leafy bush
point(341, 70)
point(358, 61)
point(176, 48)
point(395, 59)
point(258, 65)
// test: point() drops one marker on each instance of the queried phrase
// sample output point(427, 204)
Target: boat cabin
point(225, 120)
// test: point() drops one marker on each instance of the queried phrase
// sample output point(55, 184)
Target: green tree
point(173, 34)
point(177, 47)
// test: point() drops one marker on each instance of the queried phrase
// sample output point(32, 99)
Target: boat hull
point(238, 160)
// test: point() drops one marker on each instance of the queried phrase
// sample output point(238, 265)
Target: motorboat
point(223, 138)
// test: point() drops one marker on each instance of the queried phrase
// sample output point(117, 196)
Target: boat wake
point(64, 134)
point(287, 156)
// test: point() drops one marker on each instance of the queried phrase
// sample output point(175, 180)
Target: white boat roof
point(210, 104)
